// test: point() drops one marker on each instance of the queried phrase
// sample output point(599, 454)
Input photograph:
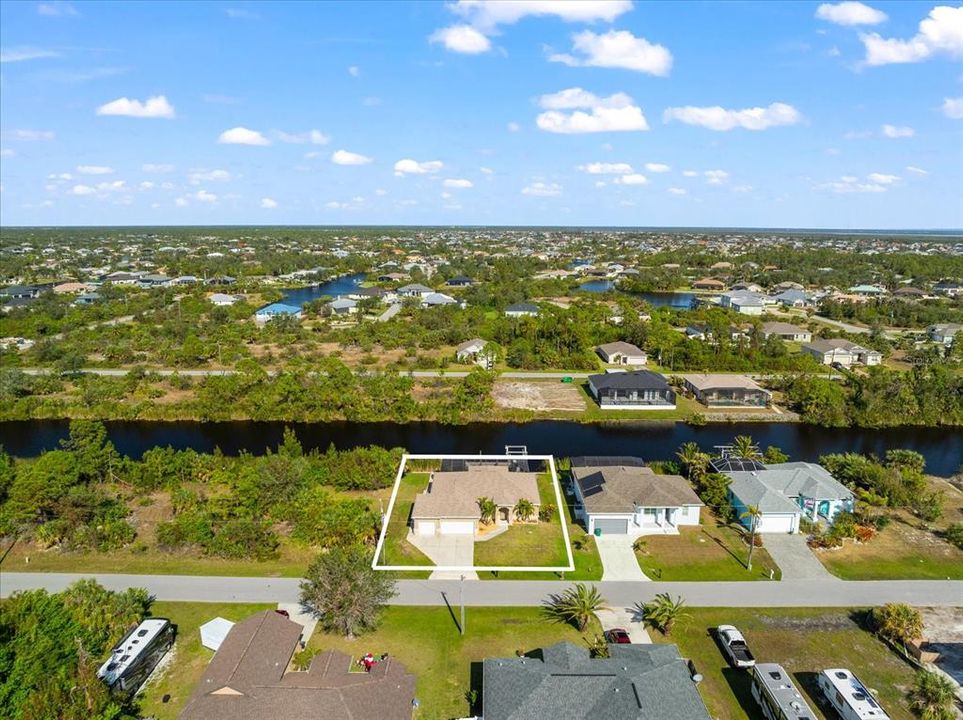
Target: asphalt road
point(517, 593)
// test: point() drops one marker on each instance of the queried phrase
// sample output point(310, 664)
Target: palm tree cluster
point(576, 605)
point(932, 696)
point(524, 510)
point(488, 508)
point(663, 612)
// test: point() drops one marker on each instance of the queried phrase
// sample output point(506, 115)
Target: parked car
point(618, 636)
point(734, 647)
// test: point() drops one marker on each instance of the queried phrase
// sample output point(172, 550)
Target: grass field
point(446, 663)
point(397, 550)
point(804, 641)
point(711, 551)
point(190, 658)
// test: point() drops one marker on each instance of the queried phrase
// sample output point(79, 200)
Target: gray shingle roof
point(772, 489)
point(622, 488)
point(638, 380)
point(639, 682)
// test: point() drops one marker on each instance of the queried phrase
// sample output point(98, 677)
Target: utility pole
point(461, 597)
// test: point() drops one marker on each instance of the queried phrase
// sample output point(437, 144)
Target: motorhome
point(851, 699)
point(134, 658)
point(779, 699)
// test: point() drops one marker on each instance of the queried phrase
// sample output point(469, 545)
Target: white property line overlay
point(472, 568)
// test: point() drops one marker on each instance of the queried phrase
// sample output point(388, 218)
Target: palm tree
point(932, 696)
point(694, 459)
point(488, 509)
point(898, 623)
point(663, 612)
point(575, 605)
point(524, 509)
point(753, 513)
point(744, 447)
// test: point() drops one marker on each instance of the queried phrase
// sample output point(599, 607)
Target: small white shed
point(214, 632)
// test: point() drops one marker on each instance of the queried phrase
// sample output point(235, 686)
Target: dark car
point(617, 636)
point(285, 613)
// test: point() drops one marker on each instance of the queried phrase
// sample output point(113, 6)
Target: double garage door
point(445, 527)
point(612, 526)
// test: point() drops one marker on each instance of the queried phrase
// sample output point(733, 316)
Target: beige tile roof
point(455, 494)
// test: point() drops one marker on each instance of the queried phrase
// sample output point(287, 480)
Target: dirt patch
point(819, 623)
point(146, 517)
point(539, 395)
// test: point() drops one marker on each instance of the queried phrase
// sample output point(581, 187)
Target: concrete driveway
point(618, 558)
point(629, 619)
point(447, 551)
point(794, 557)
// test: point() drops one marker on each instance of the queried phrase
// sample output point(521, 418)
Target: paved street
point(512, 593)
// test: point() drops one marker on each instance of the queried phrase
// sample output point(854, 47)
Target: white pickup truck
point(734, 647)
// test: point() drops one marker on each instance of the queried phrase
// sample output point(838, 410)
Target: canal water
point(332, 288)
point(941, 446)
point(655, 299)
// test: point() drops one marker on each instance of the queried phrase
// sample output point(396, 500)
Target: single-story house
point(248, 677)
point(522, 309)
point(449, 505)
point(470, 349)
point(71, 288)
point(630, 499)
point(794, 298)
point(459, 281)
point(269, 312)
point(908, 292)
point(844, 352)
point(87, 298)
point(21, 292)
point(944, 333)
point(745, 303)
point(636, 390)
point(868, 290)
point(709, 284)
point(434, 299)
point(621, 353)
point(222, 299)
point(393, 277)
point(948, 288)
point(343, 306)
point(150, 280)
point(636, 682)
point(785, 492)
point(786, 331)
point(721, 390)
point(415, 290)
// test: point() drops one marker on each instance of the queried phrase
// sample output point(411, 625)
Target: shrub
point(954, 534)
point(546, 513)
point(864, 533)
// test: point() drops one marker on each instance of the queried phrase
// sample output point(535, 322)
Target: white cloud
point(457, 183)
point(242, 136)
point(631, 179)
point(312, 137)
point(22, 54)
point(916, 170)
point(600, 183)
point(614, 113)
point(181, 202)
point(715, 177)
point(616, 49)
point(82, 190)
point(154, 107)
point(719, 118)
point(848, 184)
point(446, 196)
point(850, 13)
point(60, 176)
point(461, 39)
point(268, 203)
point(380, 192)
point(486, 171)
point(893, 131)
point(940, 32)
point(101, 189)
point(514, 127)
point(157, 168)
point(882, 179)
point(241, 14)
point(354, 71)
point(657, 167)
point(33, 135)
point(57, 9)
point(197, 176)
point(742, 188)
point(407, 166)
point(677, 191)
point(953, 108)
point(488, 14)
point(94, 170)
point(603, 168)
point(147, 185)
point(204, 196)
point(541, 189)
point(691, 173)
point(343, 157)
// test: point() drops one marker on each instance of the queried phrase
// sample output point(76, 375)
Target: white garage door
point(612, 526)
point(426, 527)
point(776, 523)
point(457, 527)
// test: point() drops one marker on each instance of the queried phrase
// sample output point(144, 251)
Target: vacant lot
point(804, 641)
point(711, 551)
point(538, 395)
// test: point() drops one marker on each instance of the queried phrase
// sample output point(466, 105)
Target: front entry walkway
point(794, 557)
point(447, 551)
point(618, 558)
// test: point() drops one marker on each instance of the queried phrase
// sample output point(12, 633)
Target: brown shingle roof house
point(247, 680)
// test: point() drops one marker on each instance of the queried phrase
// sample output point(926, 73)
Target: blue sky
point(771, 114)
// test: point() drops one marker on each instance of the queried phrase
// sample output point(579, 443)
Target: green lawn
point(539, 543)
point(397, 550)
point(804, 641)
point(447, 664)
point(190, 658)
point(711, 551)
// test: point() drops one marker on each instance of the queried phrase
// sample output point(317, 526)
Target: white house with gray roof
point(787, 492)
point(637, 682)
